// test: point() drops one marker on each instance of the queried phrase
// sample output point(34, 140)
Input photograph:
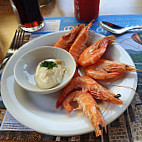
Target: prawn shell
point(88, 84)
point(68, 38)
point(94, 52)
point(79, 44)
point(106, 69)
point(90, 108)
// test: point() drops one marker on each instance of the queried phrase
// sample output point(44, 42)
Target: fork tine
point(12, 44)
point(17, 40)
point(22, 40)
point(16, 43)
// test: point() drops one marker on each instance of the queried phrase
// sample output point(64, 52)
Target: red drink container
point(29, 14)
point(86, 10)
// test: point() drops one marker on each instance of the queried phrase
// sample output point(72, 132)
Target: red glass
point(86, 10)
point(29, 14)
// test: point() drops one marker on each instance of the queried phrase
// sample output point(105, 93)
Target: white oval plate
point(38, 112)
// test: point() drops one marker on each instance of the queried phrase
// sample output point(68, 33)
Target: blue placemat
point(122, 20)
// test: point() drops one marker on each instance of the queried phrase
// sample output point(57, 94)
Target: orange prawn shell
point(68, 38)
point(89, 106)
point(106, 69)
point(88, 84)
point(79, 44)
point(94, 52)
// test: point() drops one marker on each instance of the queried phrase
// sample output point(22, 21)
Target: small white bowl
point(25, 68)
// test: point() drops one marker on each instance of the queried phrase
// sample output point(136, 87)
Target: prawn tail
point(99, 123)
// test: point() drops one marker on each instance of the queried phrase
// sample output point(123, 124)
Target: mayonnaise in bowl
point(49, 73)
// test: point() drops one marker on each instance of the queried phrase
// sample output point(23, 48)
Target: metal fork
point(17, 42)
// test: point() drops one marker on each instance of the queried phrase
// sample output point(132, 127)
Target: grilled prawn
point(88, 84)
point(90, 108)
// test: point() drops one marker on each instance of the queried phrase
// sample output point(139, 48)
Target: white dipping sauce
point(48, 78)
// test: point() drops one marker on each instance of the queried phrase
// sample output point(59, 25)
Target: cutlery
point(115, 28)
point(16, 43)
